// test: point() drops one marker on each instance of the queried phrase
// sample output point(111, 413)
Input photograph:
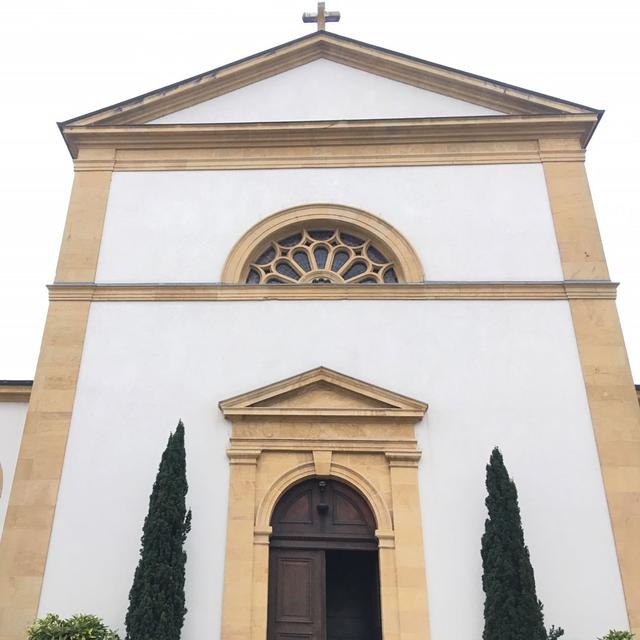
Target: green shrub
point(618, 635)
point(78, 627)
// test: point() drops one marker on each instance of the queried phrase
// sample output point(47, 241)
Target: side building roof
point(15, 390)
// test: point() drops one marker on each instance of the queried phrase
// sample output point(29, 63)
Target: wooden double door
point(323, 565)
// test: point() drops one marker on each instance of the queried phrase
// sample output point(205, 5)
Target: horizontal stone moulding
point(562, 290)
point(329, 134)
point(396, 154)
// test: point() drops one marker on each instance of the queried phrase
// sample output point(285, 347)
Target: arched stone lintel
point(295, 475)
point(407, 263)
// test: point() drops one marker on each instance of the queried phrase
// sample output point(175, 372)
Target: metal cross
point(321, 17)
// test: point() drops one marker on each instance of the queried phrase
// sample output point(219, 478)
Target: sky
point(61, 59)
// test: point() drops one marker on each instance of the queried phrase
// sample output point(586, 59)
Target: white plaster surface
point(493, 373)
point(472, 222)
point(324, 90)
point(12, 417)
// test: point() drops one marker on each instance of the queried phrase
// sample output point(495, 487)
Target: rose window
point(322, 256)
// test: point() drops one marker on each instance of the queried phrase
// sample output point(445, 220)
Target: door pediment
point(323, 392)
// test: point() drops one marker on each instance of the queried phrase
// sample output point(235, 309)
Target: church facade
point(351, 273)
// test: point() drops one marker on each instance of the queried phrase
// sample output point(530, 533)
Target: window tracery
point(322, 256)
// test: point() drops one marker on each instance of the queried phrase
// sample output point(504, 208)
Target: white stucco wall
point(324, 90)
point(475, 222)
point(493, 373)
point(12, 417)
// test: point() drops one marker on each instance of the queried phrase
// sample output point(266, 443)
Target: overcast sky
point(65, 58)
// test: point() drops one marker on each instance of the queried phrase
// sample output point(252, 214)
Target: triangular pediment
point(445, 91)
point(324, 90)
point(321, 392)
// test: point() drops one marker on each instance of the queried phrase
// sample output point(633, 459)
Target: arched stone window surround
point(324, 424)
point(362, 223)
point(338, 471)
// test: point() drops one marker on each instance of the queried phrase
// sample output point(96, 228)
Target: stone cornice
point(563, 290)
point(385, 134)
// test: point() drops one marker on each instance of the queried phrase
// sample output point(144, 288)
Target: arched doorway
point(323, 565)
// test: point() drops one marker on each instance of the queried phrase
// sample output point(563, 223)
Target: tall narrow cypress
point(156, 600)
point(512, 610)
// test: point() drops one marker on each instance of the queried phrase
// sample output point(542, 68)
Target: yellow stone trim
point(386, 539)
point(393, 404)
point(15, 393)
point(613, 403)
point(259, 593)
point(283, 156)
point(243, 456)
point(353, 443)
point(29, 519)
point(376, 456)
point(95, 159)
point(615, 415)
point(239, 558)
point(568, 290)
point(388, 64)
point(408, 545)
point(83, 228)
point(261, 536)
point(328, 413)
point(448, 82)
point(296, 475)
point(347, 142)
point(575, 221)
point(322, 462)
point(404, 458)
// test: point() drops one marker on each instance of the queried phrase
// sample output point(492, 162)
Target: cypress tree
point(156, 600)
point(512, 610)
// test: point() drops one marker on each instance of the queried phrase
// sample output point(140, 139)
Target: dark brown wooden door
point(323, 565)
point(296, 597)
point(323, 514)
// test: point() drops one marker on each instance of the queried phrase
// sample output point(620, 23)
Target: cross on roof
point(321, 17)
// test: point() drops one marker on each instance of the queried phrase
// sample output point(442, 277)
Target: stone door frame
point(324, 424)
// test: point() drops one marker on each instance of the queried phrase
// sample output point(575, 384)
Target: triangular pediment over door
point(323, 392)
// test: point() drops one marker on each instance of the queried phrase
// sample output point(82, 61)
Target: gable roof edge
point(340, 49)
